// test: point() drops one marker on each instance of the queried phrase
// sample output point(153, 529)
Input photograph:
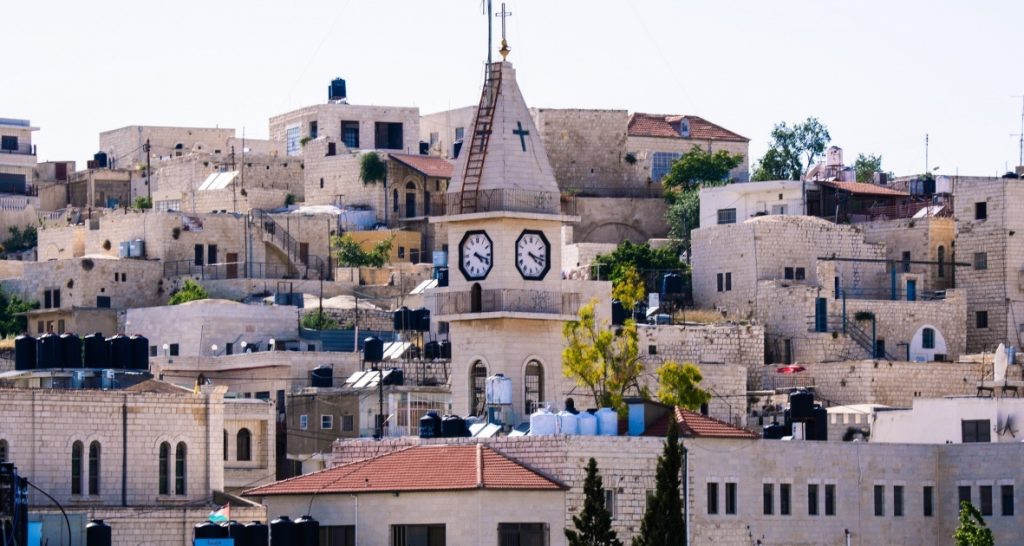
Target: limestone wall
point(81, 281)
point(329, 117)
point(125, 145)
point(922, 238)
point(892, 383)
point(719, 350)
point(586, 148)
point(616, 219)
point(135, 525)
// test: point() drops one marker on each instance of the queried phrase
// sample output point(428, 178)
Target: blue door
point(821, 315)
point(911, 290)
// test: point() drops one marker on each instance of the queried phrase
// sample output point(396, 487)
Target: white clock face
point(533, 254)
point(476, 255)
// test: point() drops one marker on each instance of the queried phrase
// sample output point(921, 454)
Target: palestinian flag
point(221, 514)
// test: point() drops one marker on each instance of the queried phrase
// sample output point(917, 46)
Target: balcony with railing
point(228, 270)
point(504, 200)
point(504, 300)
point(17, 148)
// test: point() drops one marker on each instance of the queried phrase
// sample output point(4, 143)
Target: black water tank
point(209, 529)
point(774, 431)
point(48, 351)
point(801, 406)
point(120, 349)
point(307, 531)
point(672, 283)
point(432, 350)
point(453, 426)
point(336, 91)
point(139, 353)
point(446, 350)
point(95, 350)
point(322, 376)
point(818, 429)
point(640, 314)
point(101, 159)
point(282, 532)
point(235, 530)
point(421, 320)
point(373, 349)
point(619, 313)
point(97, 533)
point(257, 534)
point(402, 319)
point(442, 277)
point(430, 425)
point(24, 353)
point(394, 377)
point(70, 351)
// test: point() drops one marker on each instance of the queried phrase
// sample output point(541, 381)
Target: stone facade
point(92, 282)
point(613, 220)
point(370, 121)
point(125, 146)
point(921, 239)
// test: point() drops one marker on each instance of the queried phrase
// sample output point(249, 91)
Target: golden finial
point(504, 49)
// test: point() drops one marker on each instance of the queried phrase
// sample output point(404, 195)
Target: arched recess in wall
point(928, 345)
point(612, 232)
point(410, 199)
point(477, 388)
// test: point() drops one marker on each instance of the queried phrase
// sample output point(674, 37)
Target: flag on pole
point(221, 514)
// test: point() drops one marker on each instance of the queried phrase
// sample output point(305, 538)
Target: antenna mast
point(1020, 159)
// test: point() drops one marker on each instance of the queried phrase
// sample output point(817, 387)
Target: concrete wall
point(751, 199)
point(892, 383)
point(938, 421)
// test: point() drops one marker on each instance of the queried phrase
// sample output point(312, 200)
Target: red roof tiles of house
point(418, 468)
point(696, 425)
point(863, 188)
point(427, 165)
point(658, 125)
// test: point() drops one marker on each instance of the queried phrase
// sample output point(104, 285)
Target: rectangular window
point(9, 143)
point(726, 216)
point(801, 274)
point(981, 319)
point(434, 137)
point(197, 252)
point(963, 494)
point(728, 282)
point(60, 326)
point(830, 499)
point(293, 140)
point(897, 500)
point(609, 502)
point(768, 500)
point(312, 130)
point(153, 351)
point(980, 260)
point(812, 499)
point(928, 502)
point(348, 423)
point(418, 535)
point(174, 349)
point(1006, 492)
point(730, 498)
point(388, 135)
point(976, 430)
point(326, 422)
point(712, 498)
point(401, 252)
point(229, 348)
point(211, 254)
point(981, 211)
point(787, 273)
point(879, 500)
point(661, 163)
point(103, 302)
point(337, 535)
point(906, 262)
point(985, 492)
point(460, 133)
point(779, 209)
point(522, 534)
point(721, 282)
point(928, 338)
point(784, 490)
point(350, 134)
point(303, 422)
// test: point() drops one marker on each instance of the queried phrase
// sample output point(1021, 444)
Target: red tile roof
point(863, 188)
point(658, 125)
point(696, 425)
point(427, 165)
point(418, 468)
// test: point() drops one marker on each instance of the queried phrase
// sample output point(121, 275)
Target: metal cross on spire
point(504, 43)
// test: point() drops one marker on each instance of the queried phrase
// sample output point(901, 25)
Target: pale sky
point(879, 74)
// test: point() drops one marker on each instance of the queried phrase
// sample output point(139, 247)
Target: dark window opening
point(768, 499)
point(928, 501)
point(963, 494)
point(350, 133)
point(985, 492)
point(981, 211)
point(897, 500)
point(9, 143)
point(94, 468)
point(830, 499)
point(712, 498)
point(980, 261)
point(928, 338)
point(165, 468)
point(388, 135)
point(784, 497)
point(879, 500)
point(243, 445)
point(730, 498)
point(1006, 494)
point(981, 319)
point(812, 499)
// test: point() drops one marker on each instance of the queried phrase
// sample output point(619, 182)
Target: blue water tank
point(619, 313)
point(48, 351)
point(403, 319)
point(336, 91)
point(322, 376)
point(453, 426)
point(235, 530)
point(421, 319)
point(139, 353)
point(120, 349)
point(446, 350)
point(432, 350)
point(801, 406)
point(209, 529)
point(672, 283)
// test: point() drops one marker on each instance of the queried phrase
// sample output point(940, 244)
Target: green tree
point(349, 253)
point(12, 322)
point(866, 166)
point(698, 166)
point(593, 527)
point(641, 257)
point(319, 320)
point(683, 212)
point(21, 239)
point(782, 160)
point(372, 168)
point(606, 362)
point(190, 291)
point(972, 530)
point(630, 289)
point(663, 523)
point(679, 385)
point(142, 203)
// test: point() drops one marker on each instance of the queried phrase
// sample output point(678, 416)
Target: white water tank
point(543, 423)
point(587, 424)
point(498, 390)
point(607, 422)
point(567, 423)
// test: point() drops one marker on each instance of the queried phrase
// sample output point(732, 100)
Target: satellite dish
point(999, 367)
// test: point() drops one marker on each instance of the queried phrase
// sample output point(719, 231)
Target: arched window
point(928, 338)
point(3, 451)
point(225, 444)
point(942, 261)
point(179, 469)
point(76, 468)
point(533, 386)
point(243, 445)
point(410, 200)
point(94, 468)
point(476, 299)
point(477, 388)
point(165, 468)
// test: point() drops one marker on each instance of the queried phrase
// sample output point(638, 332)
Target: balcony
point(17, 148)
point(505, 300)
point(505, 200)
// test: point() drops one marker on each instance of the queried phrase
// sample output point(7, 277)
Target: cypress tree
point(594, 524)
point(663, 523)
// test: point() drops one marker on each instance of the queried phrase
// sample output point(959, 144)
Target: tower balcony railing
point(505, 200)
point(509, 300)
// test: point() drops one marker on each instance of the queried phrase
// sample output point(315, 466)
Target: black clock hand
point(539, 260)
point(482, 258)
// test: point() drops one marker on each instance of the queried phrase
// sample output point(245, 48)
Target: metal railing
point(504, 300)
point(506, 200)
point(643, 192)
point(307, 266)
point(228, 270)
point(889, 294)
point(21, 148)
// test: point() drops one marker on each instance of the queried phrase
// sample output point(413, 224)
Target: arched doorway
point(533, 386)
point(410, 200)
point(476, 294)
point(477, 388)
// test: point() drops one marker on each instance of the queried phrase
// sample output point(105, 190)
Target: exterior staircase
point(302, 266)
point(477, 151)
point(862, 337)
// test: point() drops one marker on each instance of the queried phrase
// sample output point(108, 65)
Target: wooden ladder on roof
point(481, 137)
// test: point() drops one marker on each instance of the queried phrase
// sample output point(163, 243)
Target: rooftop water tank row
point(604, 422)
point(135, 248)
point(303, 531)
point(417, 320)
point(69, 351)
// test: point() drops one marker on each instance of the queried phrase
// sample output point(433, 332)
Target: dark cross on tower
point(521, 133)
point(504, 44)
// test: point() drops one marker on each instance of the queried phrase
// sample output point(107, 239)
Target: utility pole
point(926, 153)
point(1020, 159)
point(149, 176)
point(234, 197)
point(489, 31)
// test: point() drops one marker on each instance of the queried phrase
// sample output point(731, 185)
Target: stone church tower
point(506, 301)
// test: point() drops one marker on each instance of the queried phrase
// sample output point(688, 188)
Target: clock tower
point(506, 300)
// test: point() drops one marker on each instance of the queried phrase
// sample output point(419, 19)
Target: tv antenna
point(1020, 135)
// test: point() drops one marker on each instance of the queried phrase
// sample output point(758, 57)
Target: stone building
point(736, 203)
point(656, 141)
point(125, 146)
point(101, 188)
point(17, 156)
point(911, 241)
point(150, 456)
point(357, 127)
